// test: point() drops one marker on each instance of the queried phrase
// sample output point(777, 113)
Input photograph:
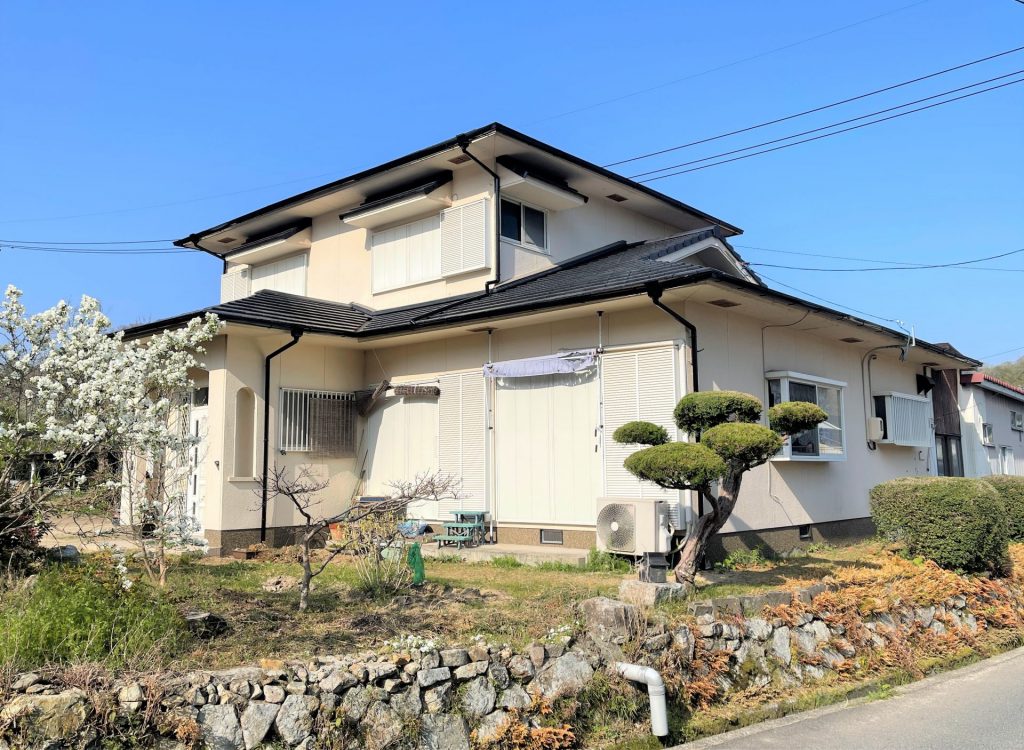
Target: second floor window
point(524, 224)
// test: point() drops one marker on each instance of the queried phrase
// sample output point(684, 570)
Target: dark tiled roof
point(274, 310)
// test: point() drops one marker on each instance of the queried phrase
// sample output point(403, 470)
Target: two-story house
point(493, 307)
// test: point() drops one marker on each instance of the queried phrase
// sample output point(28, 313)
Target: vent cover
point(460, 159)
point(723, 303)
point(616, 526)
point(852, 340)
point(617, 198)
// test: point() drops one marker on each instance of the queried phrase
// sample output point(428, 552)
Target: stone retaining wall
point(416, 695)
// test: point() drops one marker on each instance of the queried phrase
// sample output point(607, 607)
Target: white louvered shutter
point(637, 385)
point(285, 275)
point(234, 284)
point(464, 237)
point(462, 439)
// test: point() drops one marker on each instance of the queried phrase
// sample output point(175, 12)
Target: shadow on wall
point(778, 542)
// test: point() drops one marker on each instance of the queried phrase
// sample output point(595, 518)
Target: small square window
point(200, 396)
point(551, 536)
point(524, 224)
point(805, 531)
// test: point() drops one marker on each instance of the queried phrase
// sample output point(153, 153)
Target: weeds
point(745, 559)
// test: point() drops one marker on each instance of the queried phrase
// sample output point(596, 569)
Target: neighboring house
point(494, 308)
point(993, 416)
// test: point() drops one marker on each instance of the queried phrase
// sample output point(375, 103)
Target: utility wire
point(830, 302)
point(894, 268)
point(829, 126)
point(1005, 351)
point(862, 260)
point(816, 109)
point(829, 135)
point(727, 65)
point(61, 243)
point(93, 251)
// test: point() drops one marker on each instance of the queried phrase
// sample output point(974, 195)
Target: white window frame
point(785, 377)
point(545, 248)
point(1016, 421)
point(1007, 462)
point(988, 433)
point(295, 437)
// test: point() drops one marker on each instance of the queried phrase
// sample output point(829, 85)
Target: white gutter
point(655, 692)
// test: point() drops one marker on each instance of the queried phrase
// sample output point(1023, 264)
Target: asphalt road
point(980, 707)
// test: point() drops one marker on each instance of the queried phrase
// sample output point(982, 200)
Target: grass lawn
point(501, 602)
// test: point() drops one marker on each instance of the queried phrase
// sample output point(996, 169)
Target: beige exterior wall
point(790, 493)
point(339, 264)
point(236, 362)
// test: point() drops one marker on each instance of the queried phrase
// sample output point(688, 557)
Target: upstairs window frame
point(799, 447)
point(518, 235)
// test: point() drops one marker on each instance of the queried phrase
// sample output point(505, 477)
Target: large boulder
point(444, 732)
point(220, 727)
point(478, 698)
point(294, 721)
point(257, 719)
point(47, 717)
point(609, 619)
point(565, 675)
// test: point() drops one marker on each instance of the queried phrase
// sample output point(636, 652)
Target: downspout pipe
point(296, 335)
point(194, 242)
point(464, 143)
point(654, 291)
point(655, 693)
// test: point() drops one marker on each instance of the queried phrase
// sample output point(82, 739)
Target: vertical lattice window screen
point(234, 284)
point(320, 422)
point(464, 237)
point(462, 438)
point(636, 385)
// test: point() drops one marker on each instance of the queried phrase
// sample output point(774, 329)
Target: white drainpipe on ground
point(655, 692)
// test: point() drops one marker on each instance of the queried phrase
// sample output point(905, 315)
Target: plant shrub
point(641, 433)
point(1011, 490)
point(700, 411)
point(676, 465)
point(742, 443)
point(793, 417)
point(959, 523)
point(88, 612)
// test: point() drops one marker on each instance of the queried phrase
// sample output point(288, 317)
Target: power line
point(861, 260)
point(727, 65)
point(1005, 351)
point(896, 268)
point(837, 132)
point(815, 109)
point(98, 242)
point(829, 126)
point(93, 251)
point(830, 302)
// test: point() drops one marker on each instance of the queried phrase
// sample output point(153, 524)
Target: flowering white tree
point(72, 390)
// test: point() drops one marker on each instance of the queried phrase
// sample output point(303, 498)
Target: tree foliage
point(1011, 372)
point(676, 466)
point(701, 411)
point(731, 443)
point(641, 433)
point(1011, 490)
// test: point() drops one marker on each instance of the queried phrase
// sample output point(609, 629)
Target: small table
point(467, 528)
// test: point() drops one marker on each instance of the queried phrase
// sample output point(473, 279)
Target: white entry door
point(547, 462)
point(197, 478)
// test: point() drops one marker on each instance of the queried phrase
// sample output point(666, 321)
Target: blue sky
point(128, 121)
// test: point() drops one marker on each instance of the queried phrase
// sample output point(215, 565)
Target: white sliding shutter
point(285, 275)
point(406, 254)
point(637, 385)
point(464, 237)
point(462, 434)
point(234, 284)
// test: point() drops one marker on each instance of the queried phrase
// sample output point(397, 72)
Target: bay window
point(827, 441)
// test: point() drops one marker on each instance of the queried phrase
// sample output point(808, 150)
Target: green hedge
point(641, 433)
point(959, 523)
point(1011, 490)
point(703, 410)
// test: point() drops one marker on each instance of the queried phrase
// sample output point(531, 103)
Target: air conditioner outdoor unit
point(632, 526)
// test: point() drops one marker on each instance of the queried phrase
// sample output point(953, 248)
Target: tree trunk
point(706, 527)
point(307, 573)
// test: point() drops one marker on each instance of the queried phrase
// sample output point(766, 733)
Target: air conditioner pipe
point(296, 335)
point(655, 692)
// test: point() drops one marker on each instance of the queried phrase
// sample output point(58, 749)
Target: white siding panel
point(285, 275)
point(401, 439)
point(464, 237)
point(637, 385)
point(234, 284)
point(547, 463)
point(462, 439)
